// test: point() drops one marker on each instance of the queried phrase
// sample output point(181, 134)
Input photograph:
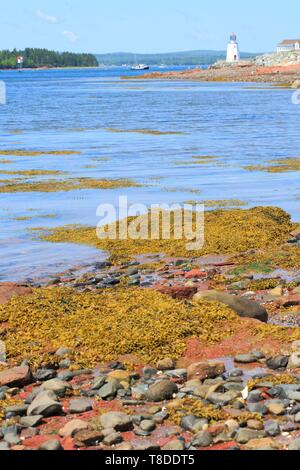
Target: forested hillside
point(44, 58)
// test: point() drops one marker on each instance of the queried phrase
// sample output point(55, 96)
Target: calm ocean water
point(243, 124)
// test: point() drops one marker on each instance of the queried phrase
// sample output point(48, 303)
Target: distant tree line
point(201, 57)
point(34, 58)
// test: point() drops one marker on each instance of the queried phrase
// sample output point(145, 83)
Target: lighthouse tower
point(233, 53)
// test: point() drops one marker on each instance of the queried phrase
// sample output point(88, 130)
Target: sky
point(146, 26)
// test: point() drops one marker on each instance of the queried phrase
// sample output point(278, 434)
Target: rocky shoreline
point(263, 71)
point(234, 383)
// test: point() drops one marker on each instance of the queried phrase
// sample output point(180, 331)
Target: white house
point(289, 45)
point(233, 53)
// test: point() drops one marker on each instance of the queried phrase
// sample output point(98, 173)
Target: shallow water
point(72, 109)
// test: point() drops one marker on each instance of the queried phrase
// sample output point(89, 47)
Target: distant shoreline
point(281, 75)
point(47, 68)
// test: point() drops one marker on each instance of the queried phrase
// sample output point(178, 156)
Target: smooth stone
point(202, 439)
point(42, 375)
point(245, 435)
point(57, 386)
point(80, 405)
point(279, 362)
point(254, 424)
point(274, 408)
point(161, 391)
point(245, 359)
point(272, 429)
point(109, 390)
point(99, 383)
point(294, 445)
point(236, 373)
point(16, 377)
point(257, 408)
point(113, 439)
point(45, 404)
point(53, 445)
point(295, 396)
point(73, 427)
point(31, 421)
point(148, 425)
point(294, 362)
point(255, 397)
point(118, 421)
point(175, 445)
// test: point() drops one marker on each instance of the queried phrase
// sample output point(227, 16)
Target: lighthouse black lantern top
point(233, 37)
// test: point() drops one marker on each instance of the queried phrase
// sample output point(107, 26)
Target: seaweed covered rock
point(110, 324)
point(226, 232)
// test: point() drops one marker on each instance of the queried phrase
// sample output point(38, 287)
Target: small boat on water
point(140, 67)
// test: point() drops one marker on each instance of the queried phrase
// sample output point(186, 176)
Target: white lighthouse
point(233, 53)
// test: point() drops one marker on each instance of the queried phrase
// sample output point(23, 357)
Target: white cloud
point(48, 18)
point(72, 37)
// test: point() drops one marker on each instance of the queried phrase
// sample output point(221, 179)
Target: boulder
point(203, 371)
point(294, 361)
point(243, 307)
point(16, 377)
point(116, 420)
point(73, 427)
point(245, 435)
point(45, 404)
point(80, 405)
point(59, 387)
point(166, 364)
point(160, 391)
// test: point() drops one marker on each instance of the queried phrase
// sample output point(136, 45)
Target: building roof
point(288, 42)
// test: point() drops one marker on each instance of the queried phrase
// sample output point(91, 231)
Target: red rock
point(178, 291)
point(203, 371)
point(16, 377)
point(195, 273)
point(216, 429)
point(290, 301)
point(8, 290)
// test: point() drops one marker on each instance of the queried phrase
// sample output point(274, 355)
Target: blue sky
point(146, 25)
